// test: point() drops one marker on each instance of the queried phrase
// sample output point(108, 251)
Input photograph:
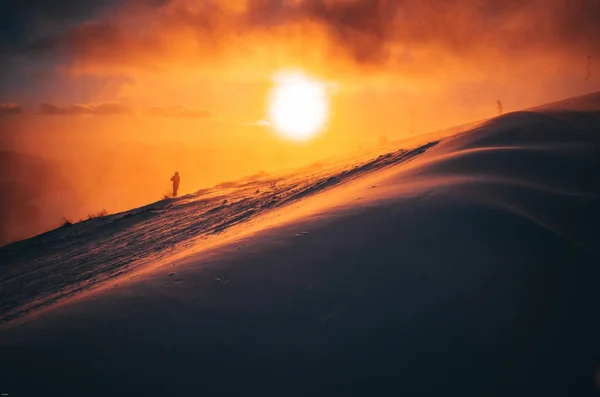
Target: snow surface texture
point(466, 265)
point(38, 271)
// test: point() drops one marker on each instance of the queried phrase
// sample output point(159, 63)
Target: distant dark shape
point(589, 67)
point(500, 108)
point(175, 179)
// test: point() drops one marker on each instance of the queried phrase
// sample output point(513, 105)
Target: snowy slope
point(464, 266)
point(41, 270)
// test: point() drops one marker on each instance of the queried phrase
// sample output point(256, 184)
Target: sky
point(115, 95)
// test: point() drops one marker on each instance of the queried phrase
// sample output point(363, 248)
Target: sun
point(298, 106)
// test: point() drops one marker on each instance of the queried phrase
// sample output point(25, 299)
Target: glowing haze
point(101, 101)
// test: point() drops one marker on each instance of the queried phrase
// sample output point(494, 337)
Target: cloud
point(260, 123)
point(446, 47)
point(96, 109)
point(411, 36)
point(10, 109)
point(247, 122)
point(180, 111)
point(19, 17)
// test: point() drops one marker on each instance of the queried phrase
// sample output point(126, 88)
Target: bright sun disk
point(298, 106)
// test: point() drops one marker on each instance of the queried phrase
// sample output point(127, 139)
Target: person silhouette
point(500, 108)
point(175, 178)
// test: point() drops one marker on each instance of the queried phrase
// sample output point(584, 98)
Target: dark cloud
point(77, 39)
point(365, 29)
point(360, 26)
point(24, 19)
point(179, 111)
point(10, 109)
point(417, 39)
point(96, 109)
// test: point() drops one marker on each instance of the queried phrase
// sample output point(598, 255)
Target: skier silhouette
point(500, 108)
point(175, 178)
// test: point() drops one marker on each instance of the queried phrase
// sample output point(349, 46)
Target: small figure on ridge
point(175, 178)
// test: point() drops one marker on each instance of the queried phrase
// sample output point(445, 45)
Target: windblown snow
point(461, 262)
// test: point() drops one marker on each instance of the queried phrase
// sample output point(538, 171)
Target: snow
point(461, 264)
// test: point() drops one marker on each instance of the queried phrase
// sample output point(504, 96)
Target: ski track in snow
point(42, 270)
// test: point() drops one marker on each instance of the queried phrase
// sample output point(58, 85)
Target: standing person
point(589, 67)
point(499, 105)
point(175, 178)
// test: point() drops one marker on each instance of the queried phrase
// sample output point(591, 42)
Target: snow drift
point(466, 265)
